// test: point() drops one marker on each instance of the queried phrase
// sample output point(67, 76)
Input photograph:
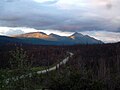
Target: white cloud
point(14, 32)
point(61, 33)
point(82, 3)
point(20, 30)
point(3, 30)
point(104, 35)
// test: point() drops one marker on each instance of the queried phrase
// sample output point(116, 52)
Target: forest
point(92, 67)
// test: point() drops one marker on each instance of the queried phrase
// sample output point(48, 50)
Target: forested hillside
point(92, 67)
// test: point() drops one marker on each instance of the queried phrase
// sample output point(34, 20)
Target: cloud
point(14, 32)
point(64, 15)
point(10, 31)
point(107, 37)
point(98, 18)
point(46, 1)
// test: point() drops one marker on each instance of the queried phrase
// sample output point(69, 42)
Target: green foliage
point(93, 67)
point(19, 67)
point(3, 76)
point(18, 59)
point(75, 80)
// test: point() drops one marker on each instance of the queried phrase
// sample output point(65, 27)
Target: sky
point(97, 18)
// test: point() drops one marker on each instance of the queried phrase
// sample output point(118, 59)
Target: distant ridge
point(32, 35)
point(41, 38)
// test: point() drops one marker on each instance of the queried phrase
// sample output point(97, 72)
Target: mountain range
point(41, 38)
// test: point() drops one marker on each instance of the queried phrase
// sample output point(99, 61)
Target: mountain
point(75, 35)
point(13, 40)
point(7, 40)
point(59, 38)
point(41, 38)
point(76, 38)
point(84, 39)
point(39, 35)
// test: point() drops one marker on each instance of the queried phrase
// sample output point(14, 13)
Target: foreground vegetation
point(93, 67)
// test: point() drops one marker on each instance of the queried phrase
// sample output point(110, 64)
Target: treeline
point(93, 67)
point(39, 55)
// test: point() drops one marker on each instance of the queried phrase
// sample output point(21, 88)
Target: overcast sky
point(98, 18)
